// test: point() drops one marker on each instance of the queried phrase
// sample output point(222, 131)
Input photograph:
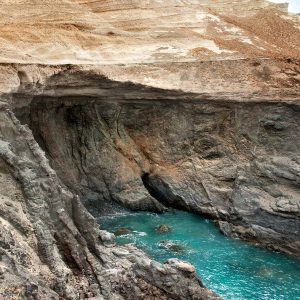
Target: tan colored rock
point(183, 266)
point(127, 32)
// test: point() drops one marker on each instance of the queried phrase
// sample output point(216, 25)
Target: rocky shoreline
point(69, 133)
point(151, 105)
point(51, 247)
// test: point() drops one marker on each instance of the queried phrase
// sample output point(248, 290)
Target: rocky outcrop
point(185, 104)
point(51, 247)
point(150, 149)
point(70, 133)
point(144, 32)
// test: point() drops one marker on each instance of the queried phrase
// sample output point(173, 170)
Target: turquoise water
point(234, 269)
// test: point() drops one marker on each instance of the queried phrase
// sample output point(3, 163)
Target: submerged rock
point(123, 231)
point(172, 246)
point(163, 228)
point(265, 272)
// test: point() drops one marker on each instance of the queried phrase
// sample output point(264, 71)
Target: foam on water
point(234, 269)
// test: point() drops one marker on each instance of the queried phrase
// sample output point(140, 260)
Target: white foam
point(140, 233)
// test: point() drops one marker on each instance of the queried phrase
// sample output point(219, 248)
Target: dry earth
point(127, 32)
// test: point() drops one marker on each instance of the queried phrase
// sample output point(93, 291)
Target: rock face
point(150, 149)
point(51, 247)
point(187, 105)
point(145, 148)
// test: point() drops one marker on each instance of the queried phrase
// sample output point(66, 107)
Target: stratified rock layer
point(135, 31)
point(235, 160)
point(186, 104)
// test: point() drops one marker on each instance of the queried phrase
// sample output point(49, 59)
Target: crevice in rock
point(66, 254)
point(162, 192)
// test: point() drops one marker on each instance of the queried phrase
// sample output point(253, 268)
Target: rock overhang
point(252, 80)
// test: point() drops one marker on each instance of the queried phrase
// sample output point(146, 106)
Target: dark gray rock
point(229, 161)
point(172, 246)
point(78, 133)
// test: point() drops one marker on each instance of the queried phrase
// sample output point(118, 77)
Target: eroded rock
point(172, 246)
point(163, 228)
point(51, 247)
point(123, 231)
point(203, 124)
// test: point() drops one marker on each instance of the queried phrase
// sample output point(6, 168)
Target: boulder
point(163, 228)
point(123, 231)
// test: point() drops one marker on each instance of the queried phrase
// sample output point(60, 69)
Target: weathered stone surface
point(166, 275)
point(107, 238)
point(51, 247)
point(183, 266)
point(186, 104)
point(172, 246)
point(135, 32)
point(215, 158)
point(122, 231)
point(163, 228)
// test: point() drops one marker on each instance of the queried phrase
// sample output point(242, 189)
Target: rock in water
point(172, 246)
point(163, 228)
point(123, 231)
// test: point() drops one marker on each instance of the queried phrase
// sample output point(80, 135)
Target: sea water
point(234, 269)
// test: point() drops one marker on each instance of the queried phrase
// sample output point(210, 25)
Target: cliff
point(162, 104)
